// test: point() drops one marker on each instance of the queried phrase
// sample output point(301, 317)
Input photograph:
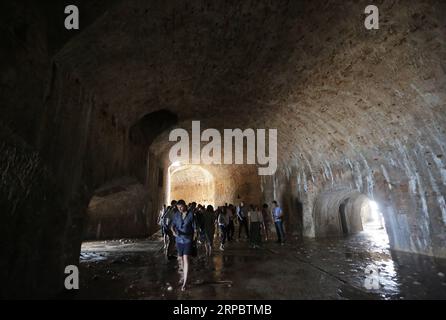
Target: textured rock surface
point(32, 218)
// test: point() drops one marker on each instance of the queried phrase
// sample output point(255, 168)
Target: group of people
point(184, 225)
point(252, 221)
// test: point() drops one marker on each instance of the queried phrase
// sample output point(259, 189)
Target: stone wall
point(32, 223)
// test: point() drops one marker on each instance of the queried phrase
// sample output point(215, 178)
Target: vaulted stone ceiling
point(330, 86)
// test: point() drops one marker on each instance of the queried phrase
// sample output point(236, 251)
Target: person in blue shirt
point(183, 227)
point(278, 221)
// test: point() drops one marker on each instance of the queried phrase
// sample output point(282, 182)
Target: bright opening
point(176, 164)
point(373, 222)
point(190, 183)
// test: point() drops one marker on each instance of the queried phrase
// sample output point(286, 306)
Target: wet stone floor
point(356, 267)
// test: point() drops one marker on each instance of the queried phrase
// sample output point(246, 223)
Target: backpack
point(167, 217)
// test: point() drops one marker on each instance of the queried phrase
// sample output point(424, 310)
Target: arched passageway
point(343, 212)
point(191, 183)
point(118, 209)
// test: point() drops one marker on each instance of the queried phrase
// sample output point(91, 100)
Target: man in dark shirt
point(166, 222)
point(242, 215)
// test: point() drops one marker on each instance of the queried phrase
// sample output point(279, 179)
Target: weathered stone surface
point(31, 220)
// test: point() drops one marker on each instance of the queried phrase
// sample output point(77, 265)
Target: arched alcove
point(118, 209)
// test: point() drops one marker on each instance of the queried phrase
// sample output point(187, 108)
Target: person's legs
point(227, 233)
point(246, 228)
point(278, 231)
point(207, 243)
point(172, 242)
point(180, 269)
point(266, 227)
point(259, 234)
point(251, 240)
point(253, 234)
point(282, 232)
point(230, 230)
point(166, 244)
point(223, 237)
point(180, 250)
point(185, 271)
point(208, 248)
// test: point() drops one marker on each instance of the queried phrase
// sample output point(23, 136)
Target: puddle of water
point(357, 266)
point(92, 256)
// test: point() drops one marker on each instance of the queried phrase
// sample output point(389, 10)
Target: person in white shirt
point(255, 218)
point(266, 220)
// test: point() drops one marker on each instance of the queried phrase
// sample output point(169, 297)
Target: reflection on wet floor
point(357, 267)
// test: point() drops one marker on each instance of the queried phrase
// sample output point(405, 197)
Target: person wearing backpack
point(166, 221)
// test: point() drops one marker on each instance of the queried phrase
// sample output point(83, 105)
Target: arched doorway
point(373, 222)
point(359, 213)
point(342, 212)
point(191, 183)
point(118, 209)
